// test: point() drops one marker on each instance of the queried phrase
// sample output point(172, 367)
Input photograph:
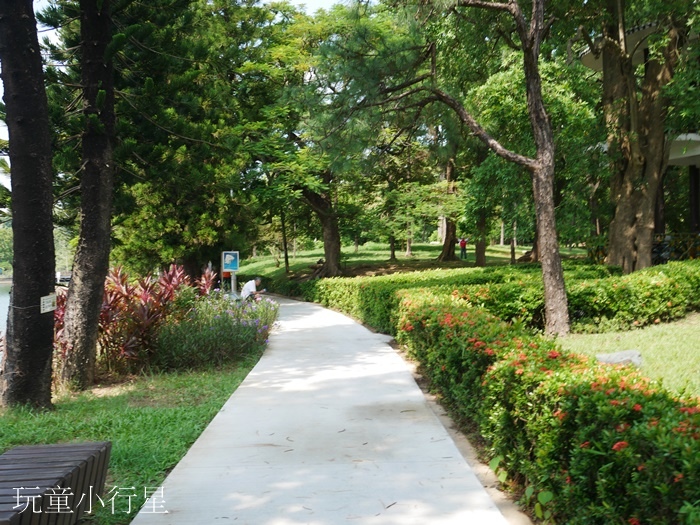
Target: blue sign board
point(229, 261)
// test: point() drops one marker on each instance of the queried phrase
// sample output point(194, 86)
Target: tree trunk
point(541, 167)
point(636, 142)
point(409, 240)
point(694, 191)
point(392, 248)
point(535, 251)
point(660, 209)
point(86, 290)
point(331, 246)
point(480, 244)
point(284, 242)
point(448, 247)
point(450, 226)
point(26, 366)
point(322, 205)
point(556, 308)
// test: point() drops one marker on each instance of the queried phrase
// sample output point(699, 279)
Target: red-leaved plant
point(205, 284)
point(130, 314)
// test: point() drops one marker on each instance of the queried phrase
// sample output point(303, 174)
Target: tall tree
point(498, 189)
point(530, 34)
point(639, 51)
point(86, 290)
point(429, 62)
point(27, 364)
point(197, 81)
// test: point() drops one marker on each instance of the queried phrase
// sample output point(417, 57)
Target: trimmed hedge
point(596, 305)
point(512, 291)
point(600, 299)
point(596, 444)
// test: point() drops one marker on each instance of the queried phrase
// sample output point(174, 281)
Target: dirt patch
point(112, 390)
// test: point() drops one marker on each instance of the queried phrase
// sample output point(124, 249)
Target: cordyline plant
point(205, 284)
point(131, 312)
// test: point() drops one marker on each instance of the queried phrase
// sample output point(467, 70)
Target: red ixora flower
point(554, 354)
point(620, 445)
point(634, 521)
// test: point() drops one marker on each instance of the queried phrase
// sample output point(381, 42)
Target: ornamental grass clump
point(214, 332)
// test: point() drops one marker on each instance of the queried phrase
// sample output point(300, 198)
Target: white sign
point(48, 303)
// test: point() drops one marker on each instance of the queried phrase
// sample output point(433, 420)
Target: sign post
point(229, 264)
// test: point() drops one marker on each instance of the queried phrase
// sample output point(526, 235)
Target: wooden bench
point(51, 484)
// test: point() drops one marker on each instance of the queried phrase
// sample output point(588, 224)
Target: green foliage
point(215, 331)
point(373, 300)
point(167, 324)
point(511, 292)
point(6, 251)
point(553, 418)
point(634, 300)
point(651, 296)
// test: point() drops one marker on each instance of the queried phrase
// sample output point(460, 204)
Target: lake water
point(4, 305)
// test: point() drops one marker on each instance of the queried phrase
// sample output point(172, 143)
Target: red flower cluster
point(620, 445)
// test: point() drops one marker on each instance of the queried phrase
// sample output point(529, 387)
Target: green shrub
point(215, 331)
point(601, 442)
point(655, 295)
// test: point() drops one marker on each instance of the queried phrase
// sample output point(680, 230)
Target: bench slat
point(79, 468)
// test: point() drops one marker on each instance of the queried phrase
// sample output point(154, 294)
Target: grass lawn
point(670, 352)
point(151, 421)
point(373, 259)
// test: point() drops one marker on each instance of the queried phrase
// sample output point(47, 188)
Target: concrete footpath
point(330, 427)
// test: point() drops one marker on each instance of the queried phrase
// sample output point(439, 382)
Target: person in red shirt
point(463, 248)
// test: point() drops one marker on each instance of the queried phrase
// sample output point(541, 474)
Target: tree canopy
point(242, 126)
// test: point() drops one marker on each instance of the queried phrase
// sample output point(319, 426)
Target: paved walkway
point(328, 428)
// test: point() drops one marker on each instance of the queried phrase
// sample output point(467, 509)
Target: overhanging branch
point(482, 134)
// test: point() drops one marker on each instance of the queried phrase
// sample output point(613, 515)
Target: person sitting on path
point(250, 289)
